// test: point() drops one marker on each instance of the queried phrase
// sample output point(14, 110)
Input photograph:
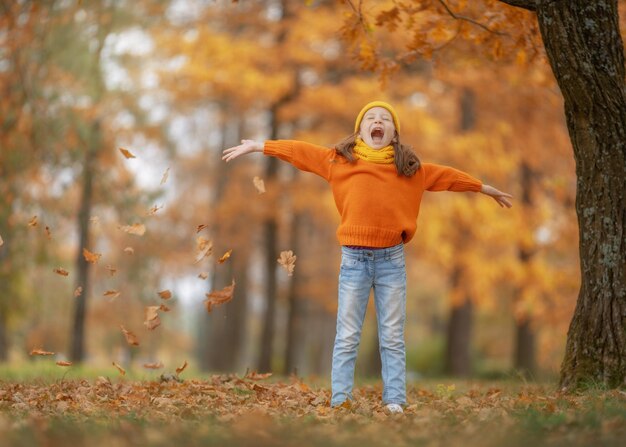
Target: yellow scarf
point(364, 152)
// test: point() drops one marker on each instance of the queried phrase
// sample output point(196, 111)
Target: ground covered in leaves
point(229, 410)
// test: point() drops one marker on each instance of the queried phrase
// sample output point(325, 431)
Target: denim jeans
point(384, 271)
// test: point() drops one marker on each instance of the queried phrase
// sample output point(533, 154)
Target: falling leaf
point(165, 294)
point(259, 185)
point(61, 271)
point(40, 352)
point(32, 222)
point(152, 211)
point(181, 368)
point(129, 250)
point(126, 153)
point(136, 229)
point(112, 293)
point(164, 308)
point(112, 270)
point(224, 257)
point(165, 175)
point(288, 261)
point(204, 247)
point(203, 275)
point(201, 227)
point(48, 233)
point(64, 363)
point(219, 297)
point(152, 317)
point(253, 375)
point(131, 338)
point(90, 257)
point(78, 292)
point(119, 368)
point(157, 365)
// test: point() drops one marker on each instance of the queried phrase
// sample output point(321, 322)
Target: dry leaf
point(126, 153)
point(288, 261)
point(152, 317)
point(224, 257)
point(152, 211)
point(136, 229)
point(90, 257)
point(219, 297)
point(259, 185)
point(205, 248)
point(61, 271)
point(131, 338)
point(165, 175)
point(129, 250)
point(64, 363)
point(78, 292)
point(201, 227)
point(112, 270)
point(157, 365)
point(48, 233)
point(32, 222)
point(253, 375)
point(165, 294)
point(112, 293)
point(40, 352)
point(203, 275)
point(164, 308)
point(119, 368)
point(181, 368)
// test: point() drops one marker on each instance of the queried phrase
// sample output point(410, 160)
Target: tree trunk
point(77, 348)
point(459, 335)
point(586, 52)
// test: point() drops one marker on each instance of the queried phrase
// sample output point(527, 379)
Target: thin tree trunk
point(586, 52)
point(77, 348)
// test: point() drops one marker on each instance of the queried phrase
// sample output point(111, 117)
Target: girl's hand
point(501, 197)
point(246, 147)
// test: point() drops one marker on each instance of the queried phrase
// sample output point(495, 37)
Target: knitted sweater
point(378, 207)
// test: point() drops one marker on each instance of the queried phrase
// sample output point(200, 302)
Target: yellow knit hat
point(373, 104)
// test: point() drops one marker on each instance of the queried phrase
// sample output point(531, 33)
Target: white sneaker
point(394, 409)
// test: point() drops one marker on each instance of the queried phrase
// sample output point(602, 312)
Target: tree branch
point(530, 5)
point(468, 19)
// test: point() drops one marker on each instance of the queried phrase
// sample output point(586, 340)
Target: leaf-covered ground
point(228, 410)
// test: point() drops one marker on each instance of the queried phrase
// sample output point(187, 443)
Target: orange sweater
point(378, 207)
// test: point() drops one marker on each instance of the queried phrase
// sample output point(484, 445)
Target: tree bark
point(586, 53)
point(458, 359)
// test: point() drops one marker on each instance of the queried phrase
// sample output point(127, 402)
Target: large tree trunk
point(586, 52)
point(77, 348)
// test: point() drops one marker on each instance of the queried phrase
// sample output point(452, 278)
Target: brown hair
point(406, 160)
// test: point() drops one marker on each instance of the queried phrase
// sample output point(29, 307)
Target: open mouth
point(377, 134)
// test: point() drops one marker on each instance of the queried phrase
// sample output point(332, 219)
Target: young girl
point(377, 184)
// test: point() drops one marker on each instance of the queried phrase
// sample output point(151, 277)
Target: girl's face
point(377, 129)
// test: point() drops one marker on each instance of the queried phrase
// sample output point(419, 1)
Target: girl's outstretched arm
point(501, 197)
point(246, 147)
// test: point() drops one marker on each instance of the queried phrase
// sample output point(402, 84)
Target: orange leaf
point(181, 368)
point(157, 365)
point(165, 294)
point(136, 229)
point(152, 317)
point(61, 271)
point(119, 368)
point(112, 293)
point(253, 375)
point(201, 227)
point(152, 211)
point(129, 250)
point(48, 233)
point(131, 338)
point(78, 292)
point(32, 222)
point(90, 257)
point(63, 363)
point(219, 297)
point(40, 352)
point(164, 308)
point(288, 261)
point(259, 185)
point(205, 248)
point(126, 153)
point(224, 257)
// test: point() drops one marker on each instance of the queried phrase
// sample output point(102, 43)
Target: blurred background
point(490, 291)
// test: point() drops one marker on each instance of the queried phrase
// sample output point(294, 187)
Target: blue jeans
point(384, 271)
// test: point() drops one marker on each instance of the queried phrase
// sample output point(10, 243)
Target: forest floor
point(269, 411)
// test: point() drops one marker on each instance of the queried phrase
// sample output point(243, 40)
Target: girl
point(377, 184)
